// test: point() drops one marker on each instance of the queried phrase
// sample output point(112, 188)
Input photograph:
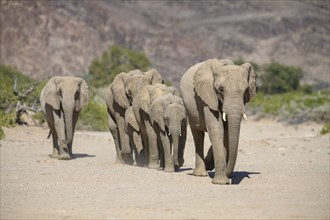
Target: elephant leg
point(126, 151)
point(74, 122)
point(153, 148)
point(161, 151)
point(219, 154)
point(115, 135)
point(199, 150)
point(55, 145)
point(63, 150)
point(168, 157)
point(209, 159)
point(145, 144)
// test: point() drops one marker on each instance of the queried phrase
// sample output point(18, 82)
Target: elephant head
point(126, 86)
point(169, 113)
point(67, 95)
point(226, 88)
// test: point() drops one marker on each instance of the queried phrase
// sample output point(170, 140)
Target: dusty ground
point(282, 172)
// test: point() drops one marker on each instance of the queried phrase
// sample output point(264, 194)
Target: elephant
point(61, 100)
point(215, 93)
point(169, 120)
point(141, 106)
point(119, 97)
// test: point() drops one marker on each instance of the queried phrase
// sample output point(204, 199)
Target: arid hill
point(44, 38)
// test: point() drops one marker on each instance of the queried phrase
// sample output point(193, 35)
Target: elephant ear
point(154, 77)
point(51, 94)
point(203, 83)
point(251, 92)
point(156, 113)
point(144, 99)
point(118, 90)
point(108, 96)
point(84, 94)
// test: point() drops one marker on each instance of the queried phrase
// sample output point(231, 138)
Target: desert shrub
point(114, 60)
point(93, 117)
point(277, 78)
point(292, 106)
point(9, 98)
point(326, 128)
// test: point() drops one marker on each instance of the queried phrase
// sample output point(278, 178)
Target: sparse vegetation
point(15, 88)
point(113, 61)
point(94, 116)
point(326, 128)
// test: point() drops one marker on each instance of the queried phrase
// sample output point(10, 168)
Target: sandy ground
point(282, 172)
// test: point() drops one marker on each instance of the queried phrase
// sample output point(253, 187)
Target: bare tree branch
point(15, 85)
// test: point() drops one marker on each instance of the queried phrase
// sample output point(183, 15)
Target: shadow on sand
point(237, 176)
point(75, 156)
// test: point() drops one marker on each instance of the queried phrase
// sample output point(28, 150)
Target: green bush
point(292, 106)
point(8, 99)
point(278, 78)
point(326, 128)
point(113, 61)
point(93, 117)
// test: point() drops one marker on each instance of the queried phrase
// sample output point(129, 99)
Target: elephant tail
point(49, 134)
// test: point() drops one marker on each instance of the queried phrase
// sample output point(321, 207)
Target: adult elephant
point(119, 97)
point(141, 107)
point(215, 93)
point(169, 120)
point(61, 100)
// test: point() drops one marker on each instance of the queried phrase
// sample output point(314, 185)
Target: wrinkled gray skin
point(169, 120)
point(119, 97)
point(61, 100)
point(141, 106)
point(210, 89)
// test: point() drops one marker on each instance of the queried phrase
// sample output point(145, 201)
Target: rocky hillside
point(44, 38)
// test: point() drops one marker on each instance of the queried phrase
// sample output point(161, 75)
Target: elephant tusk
point(224, 116)
point(245, 117)
point(180, 134)
point(169, 133)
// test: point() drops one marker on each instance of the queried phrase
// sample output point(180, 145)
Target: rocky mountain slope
point(44, 38)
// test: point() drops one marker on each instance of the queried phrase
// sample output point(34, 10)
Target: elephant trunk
point(68, 119)
point(175, 149)
point(175, 132)
point(234, 124)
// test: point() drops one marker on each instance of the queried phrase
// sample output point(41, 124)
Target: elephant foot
point(153, 166)
point(118, 160)
point(54, 155)
point(169, 169)
point(64, 157)
point(220, 179)
point(200, 172)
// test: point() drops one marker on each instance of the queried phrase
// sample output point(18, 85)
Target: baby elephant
point(168, 118)
point(61, 100)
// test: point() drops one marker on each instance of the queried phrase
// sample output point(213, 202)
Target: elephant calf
point(168, 118)
point(61, 100)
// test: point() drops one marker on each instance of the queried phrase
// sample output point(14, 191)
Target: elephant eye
point(60, 93)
